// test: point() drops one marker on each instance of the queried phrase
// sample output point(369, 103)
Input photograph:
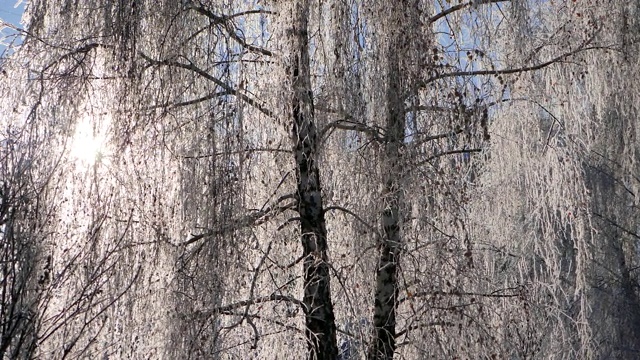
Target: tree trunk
point(386, 296)
point(320, 320)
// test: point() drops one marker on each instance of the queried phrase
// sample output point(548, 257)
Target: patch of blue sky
point(231, 59)
point(460, 37)
point(469, 53)
point(10, 15)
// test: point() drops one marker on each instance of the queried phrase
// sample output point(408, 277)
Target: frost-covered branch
point(462, 6)
point(445, 153)
point(209, 96)
point(519, 70)
point(501, 293)
point(228, 309)
point(244, 151)
point(227, 88)
point(255, 218)
point(347, 211)
point(348, 124)
point(225, 21)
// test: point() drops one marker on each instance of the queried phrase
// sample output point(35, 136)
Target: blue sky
point(11, 14)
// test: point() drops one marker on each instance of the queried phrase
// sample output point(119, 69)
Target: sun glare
point(89, 143)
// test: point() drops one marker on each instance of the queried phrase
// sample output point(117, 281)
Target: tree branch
point(495, 294)
point(224, 21)
point(373, 229)
point(458, 7)
point(206, 75)
point(210, 96)
point(444, 153)
point(511, 71)
point(348, 124)
point(243, 151)
point(227, 309)
point(615, 224)
point(438, 136)
point(250, 12)
point(421, 326)
point(253, 219)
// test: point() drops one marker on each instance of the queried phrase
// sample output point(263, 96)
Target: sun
point(89, 143)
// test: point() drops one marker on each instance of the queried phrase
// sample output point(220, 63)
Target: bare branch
point(501, 293)
point(422, 326)
point(543, 65)
point(372, 228)
point(206, 75)
point(227, 309)
point(459, 7)
point(244, 151)
point(254, 218)
point(444, 153)
point(615, 224)
point(250, 12)
point(224, 21)
point(438, 136)
point(348, 124)
point(210, 96)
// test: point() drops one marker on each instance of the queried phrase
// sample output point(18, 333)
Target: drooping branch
point(445, 153)
point(243, 151)
point(82, 50)
point(459, 7)
point(228, 309)
point(348, 124)
point(209, 96)
point(347, 211)
point(192, 67)
point(251, 12)
point(437, 136)
point(225, 21)
point(422, 326)
point(519, 70)
point(501, 293)
point(253, 219)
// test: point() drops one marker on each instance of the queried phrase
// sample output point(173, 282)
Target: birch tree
point(320, 319)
